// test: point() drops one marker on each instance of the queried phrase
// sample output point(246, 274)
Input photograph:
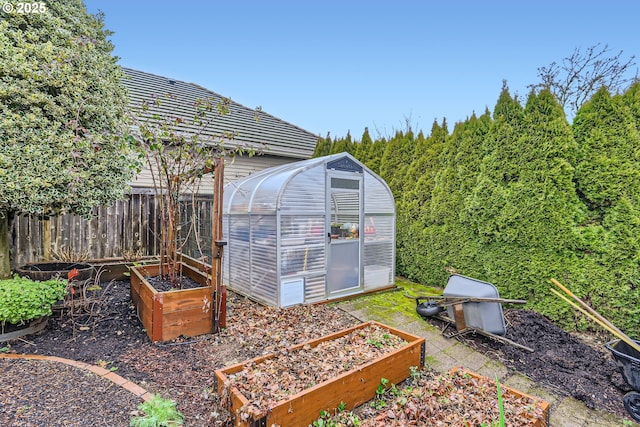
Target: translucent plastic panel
point(263, 258)
point(267, 192)
point(379, 250)
point(344, 271)
point(314, 289)
point(379, 227)
point(377, 196)
point(238, 253)
point(236, 199)
point(302, 244)
point(345, 212)
point(305, 192)
point(263, 284)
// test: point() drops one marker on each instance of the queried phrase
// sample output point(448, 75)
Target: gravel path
point(42, 393)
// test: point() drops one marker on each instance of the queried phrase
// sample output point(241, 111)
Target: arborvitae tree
point(416, 198)
point(375, 155)
point(631, 97)
point(323, 147)
point(62, 109)
point(342, 145)
point(608, 180)
point(362, 153)
point(486, 202)
point(395, 161)
point(456, 243)
point(350, 145)
point(608, 165)
point(524, 206)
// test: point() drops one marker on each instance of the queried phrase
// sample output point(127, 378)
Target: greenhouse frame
point(309, 231)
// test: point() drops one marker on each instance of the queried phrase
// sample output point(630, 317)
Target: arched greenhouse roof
point(263, 192)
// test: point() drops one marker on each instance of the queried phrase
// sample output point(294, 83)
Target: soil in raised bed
point(305, 367)
point(450, 399)
point(182, 369)
point(163, 284)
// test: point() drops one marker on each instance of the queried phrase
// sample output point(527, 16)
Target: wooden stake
point(594, 315)
point(219, 315)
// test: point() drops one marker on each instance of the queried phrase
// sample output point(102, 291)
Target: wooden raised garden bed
point(349, 380)
point(167, 315)
point(533, 409)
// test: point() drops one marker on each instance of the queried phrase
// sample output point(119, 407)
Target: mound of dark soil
point(578, 367)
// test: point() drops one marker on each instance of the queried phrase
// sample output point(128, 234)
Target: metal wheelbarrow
point(628, 361)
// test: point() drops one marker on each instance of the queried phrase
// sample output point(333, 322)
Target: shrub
point(159, 412)
point(23, 299)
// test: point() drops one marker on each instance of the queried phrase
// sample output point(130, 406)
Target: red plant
point(73, 273)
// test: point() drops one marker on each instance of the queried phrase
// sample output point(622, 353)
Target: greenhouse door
point(343, 241)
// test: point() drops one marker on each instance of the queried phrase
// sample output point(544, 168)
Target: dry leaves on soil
point(452, 399)
point(302, 368)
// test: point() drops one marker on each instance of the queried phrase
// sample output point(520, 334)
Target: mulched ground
point(108, 333)
point(571, 366)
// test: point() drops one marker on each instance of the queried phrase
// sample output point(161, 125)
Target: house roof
point(251, 127)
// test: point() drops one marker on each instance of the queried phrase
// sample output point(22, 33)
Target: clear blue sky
point(339, 65)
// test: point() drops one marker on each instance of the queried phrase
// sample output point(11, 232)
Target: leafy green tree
point(524, 207)
point(364, 147)
point(456, 243)
point(375, 155)
point(608, 166)
point(62, 108)
point(631, 97)
point(340, 145)
point(323, 147)
point(397, 157)
point(608, 181)
point(416, 199)
point(485, 203)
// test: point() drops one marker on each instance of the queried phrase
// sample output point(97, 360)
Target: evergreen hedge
point(522, 196)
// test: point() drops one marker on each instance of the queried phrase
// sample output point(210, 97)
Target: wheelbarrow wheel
point(632, 404)
point(428, 309)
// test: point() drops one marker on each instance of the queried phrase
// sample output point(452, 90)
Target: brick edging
point(100, 371)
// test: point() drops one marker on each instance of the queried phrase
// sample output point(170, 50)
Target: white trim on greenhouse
point(309, 231)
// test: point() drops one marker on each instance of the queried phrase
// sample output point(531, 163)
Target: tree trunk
point(5, 266)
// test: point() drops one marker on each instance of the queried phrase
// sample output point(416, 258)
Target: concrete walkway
point(443, 354)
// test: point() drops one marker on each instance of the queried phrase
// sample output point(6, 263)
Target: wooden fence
point(125, 229)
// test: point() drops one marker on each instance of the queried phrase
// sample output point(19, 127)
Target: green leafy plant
point(500, 404)
point(61, 124)
point(379, 402)
point(341, 418)
point(501, 422)
point(23, 299)
point(159, 412)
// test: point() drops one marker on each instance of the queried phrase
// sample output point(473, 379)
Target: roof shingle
point(251, 127)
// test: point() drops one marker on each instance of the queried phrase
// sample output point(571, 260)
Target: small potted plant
point(25, 305)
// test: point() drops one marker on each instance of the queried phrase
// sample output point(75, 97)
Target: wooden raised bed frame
point(167, 315)
point(542, 404)
point(353, 387)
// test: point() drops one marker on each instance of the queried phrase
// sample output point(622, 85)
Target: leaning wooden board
point(353, 387)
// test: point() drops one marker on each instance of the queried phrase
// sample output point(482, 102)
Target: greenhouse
point(309, 231)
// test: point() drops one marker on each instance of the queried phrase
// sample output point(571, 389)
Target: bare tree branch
point(580, 75)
